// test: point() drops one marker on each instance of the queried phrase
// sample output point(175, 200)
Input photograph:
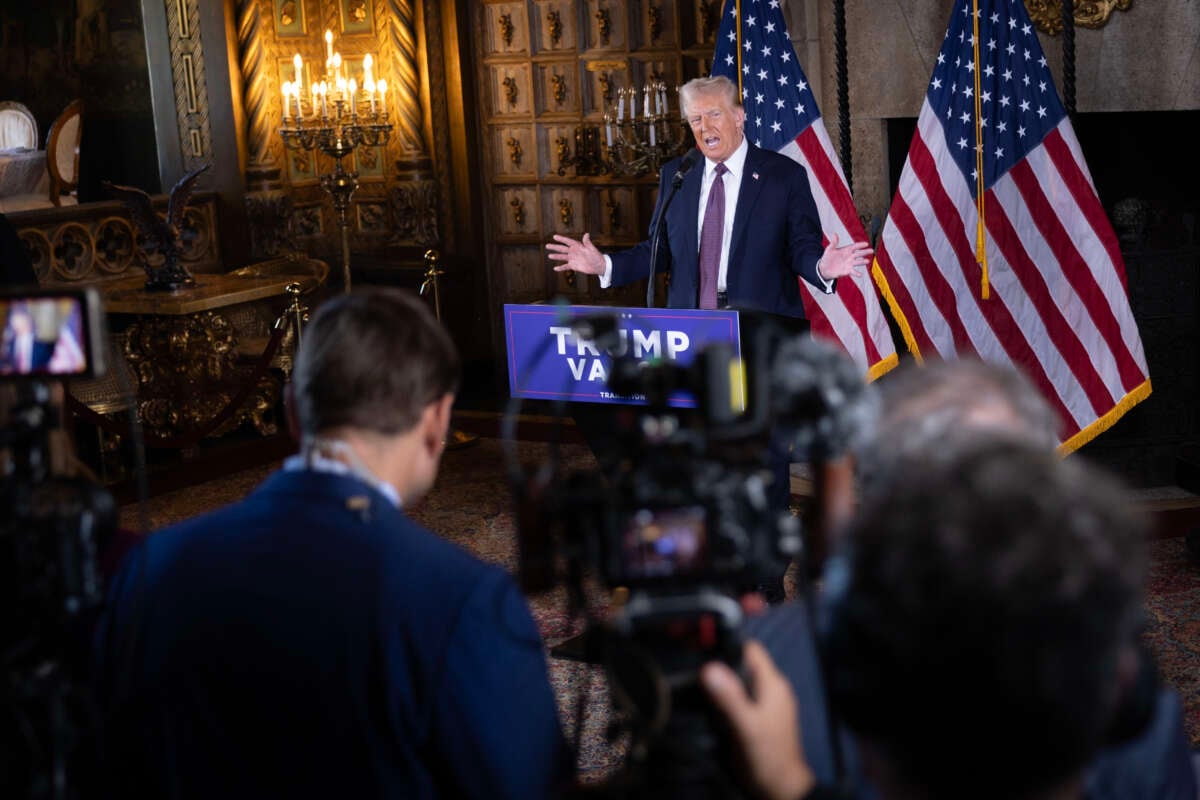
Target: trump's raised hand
point(849, 259)
point(581, 256)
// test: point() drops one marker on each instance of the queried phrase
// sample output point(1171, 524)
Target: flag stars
point(728, 61)
point(1042, 62)
point(1041, 112)
point(1024, 105)
point(745, 69)
point(766, 51)
point(1001, 126)
point(776, 127)
point(762, 74)
point(751, 21)
point(937, 84)
point(966, 117)
point(786, 57)
point(995, 17)
point(971, 67)
point(1026, 29)
point(999, 152)
point(779, 102)
point(758, 98)
point(1025, 79)
point(774, 4)
point(770, 27)
point(799, 108)
point(1011, 49)
point(968, 91)
point(989, 70)
point(986, 97)
point(1042, 85)
point(962, 143)
point(802, 85)
point(1021, 132)
point(991, 44)
point(732, 36)
point(1004, 101)
point(1012, 23)
point(1007, 74)
point(941, 58)
point(746, 46)
point(782, 80)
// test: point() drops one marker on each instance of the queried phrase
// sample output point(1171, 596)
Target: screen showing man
point(664, 543)
point(44, 336)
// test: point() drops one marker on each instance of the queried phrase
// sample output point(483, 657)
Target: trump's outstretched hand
point(849, 259)
point(581, 256)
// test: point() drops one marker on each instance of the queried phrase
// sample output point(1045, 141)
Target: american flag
point(1056, 302)
point(782, 115)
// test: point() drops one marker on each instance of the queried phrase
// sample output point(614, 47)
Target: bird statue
point(161, 234)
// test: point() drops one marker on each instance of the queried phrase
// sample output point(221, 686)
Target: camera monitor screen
point(663, 543)
point(46, 335)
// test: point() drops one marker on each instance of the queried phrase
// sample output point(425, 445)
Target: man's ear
point(437, 420)
point(289, 411)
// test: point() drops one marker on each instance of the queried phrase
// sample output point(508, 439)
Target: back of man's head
point(373, 361)
point(982, 618)
point(922, 407)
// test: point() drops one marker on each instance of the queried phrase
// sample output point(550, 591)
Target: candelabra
point(637, 144)
point(339, 133)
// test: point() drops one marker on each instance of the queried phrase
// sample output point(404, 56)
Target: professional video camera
point(678, 525)
point(50, 530)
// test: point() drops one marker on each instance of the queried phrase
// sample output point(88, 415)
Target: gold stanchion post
point(455, 438)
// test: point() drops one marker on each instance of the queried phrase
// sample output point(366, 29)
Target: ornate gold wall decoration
point(514, 151)
point(560, 88)
point(187, 70)
point(709, 15)
point(258, 89)
point(398, 47)
point(506, 29)
point(614, 212)
point(415, 208)
point(566, 212)
point(518, 212)
point(562, 149)
point(554, 26)
point(604, 23)
point(654, 19)
point(606, 88)
point(1047, 14)
point(510, 89)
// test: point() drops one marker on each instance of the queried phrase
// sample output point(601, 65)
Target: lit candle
point(337, 68)
point(646, 101)
point(369, 88)
point(632, 102)
point(324, 97)
point(368, 62)
point(620, 105)
point(382, 84)
point(312, 98)
point(652, 127)
point(608, 130)
point(353, 96)
point(328, 46)
point(287, 97)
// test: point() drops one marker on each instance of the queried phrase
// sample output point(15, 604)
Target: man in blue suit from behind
point(311, 641)
point(764, 233)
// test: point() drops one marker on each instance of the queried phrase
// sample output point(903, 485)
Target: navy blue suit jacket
point(301, 644)
point(776, 237)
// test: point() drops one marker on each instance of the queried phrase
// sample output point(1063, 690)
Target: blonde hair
point(717, 84)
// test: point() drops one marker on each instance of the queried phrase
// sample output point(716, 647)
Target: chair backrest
point(18, 127)
point(62, 151)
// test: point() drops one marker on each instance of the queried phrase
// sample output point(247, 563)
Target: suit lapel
point(687, 204)
point(747, 196)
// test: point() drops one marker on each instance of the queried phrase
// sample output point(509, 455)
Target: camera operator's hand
point(763, 724)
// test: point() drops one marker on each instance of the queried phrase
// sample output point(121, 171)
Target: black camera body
point(52, 528)
point(678, 524)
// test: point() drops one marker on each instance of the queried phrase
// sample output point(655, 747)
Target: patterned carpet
point(471, 505)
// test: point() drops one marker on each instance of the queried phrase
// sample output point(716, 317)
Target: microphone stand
point(656, 237)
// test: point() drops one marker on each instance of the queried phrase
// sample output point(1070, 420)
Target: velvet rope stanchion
point(81, 411)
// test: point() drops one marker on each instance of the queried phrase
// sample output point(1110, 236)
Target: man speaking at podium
point(740, 231)
point(742, 228)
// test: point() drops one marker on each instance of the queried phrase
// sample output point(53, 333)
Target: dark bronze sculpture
point(161, 234)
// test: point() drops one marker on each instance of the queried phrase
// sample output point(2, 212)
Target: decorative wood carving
point(510, 89)
point(506, 29)
point(191, 93)
point(604, 25)
point(1047, 14)
point(554, 26)
point(654, 22)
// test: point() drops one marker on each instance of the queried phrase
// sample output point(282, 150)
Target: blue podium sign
point(547, 362)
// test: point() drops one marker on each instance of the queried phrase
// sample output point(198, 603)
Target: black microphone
point(691, 159)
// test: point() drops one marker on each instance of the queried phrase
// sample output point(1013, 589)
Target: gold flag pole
point(455, 438)
point(980, 229)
